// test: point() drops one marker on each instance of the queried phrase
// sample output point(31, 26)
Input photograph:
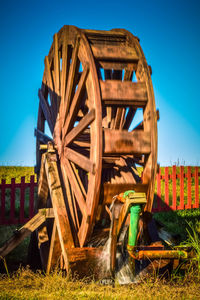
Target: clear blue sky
point(169, 32)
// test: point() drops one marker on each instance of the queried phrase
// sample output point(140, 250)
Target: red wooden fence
point(17, 201)
point(177, 190)
point(174, 191)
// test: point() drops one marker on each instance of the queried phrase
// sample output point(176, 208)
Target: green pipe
point(133, 227)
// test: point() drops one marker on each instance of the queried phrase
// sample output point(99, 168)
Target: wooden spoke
point(120, 114)
point(65, 70)
point(76, 188)
point(75, 105)
point(79, 179)
point(48, 74)
point(56, 66)
point(72, 204)
point(46, 110)
point(82, 125)
point(71, 78)
point(129, 118)
point(79, 160)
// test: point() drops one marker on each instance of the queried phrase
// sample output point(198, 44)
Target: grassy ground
point(27, 285)
point(16, 172)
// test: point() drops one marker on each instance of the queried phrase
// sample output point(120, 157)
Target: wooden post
point(166, 188)
point(12, 202)
point(173, 188)
point(3, 188)
point(181, 204)
point(189, 196)
point(159, 190)
point(22, 199)
point(196, 205)
point(58, 203)
point(31, 199)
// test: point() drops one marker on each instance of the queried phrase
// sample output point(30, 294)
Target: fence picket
point(22, 199)
point(173, 188)
point(12, 201)
point(159, 190)
point(31, 199)
point(196, 176)
point(181, 204)
point(189, 189)
point(3, 200)
point(166, 188)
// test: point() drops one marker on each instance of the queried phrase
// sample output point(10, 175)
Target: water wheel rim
point(90, 199)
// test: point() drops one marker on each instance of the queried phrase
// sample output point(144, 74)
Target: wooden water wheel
point(97, 109)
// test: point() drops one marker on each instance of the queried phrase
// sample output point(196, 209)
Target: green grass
point(178, 222)
point(16, 172)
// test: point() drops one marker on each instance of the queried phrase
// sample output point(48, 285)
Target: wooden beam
point(115, 92)
point(58, 203)
point(82, 125)
point(123, 142)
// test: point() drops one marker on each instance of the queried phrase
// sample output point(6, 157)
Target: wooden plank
point(123, 142)
point(114, 53)
point(76, 188)
point(114, 65)
point(46, 110)
point(82, 125)
point(58, 203)
point(125, 93)
point(22, 233)
point(80, 160)
point(75, 105)
point(42, 137)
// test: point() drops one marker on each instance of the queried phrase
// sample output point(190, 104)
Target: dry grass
point(27, 285)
